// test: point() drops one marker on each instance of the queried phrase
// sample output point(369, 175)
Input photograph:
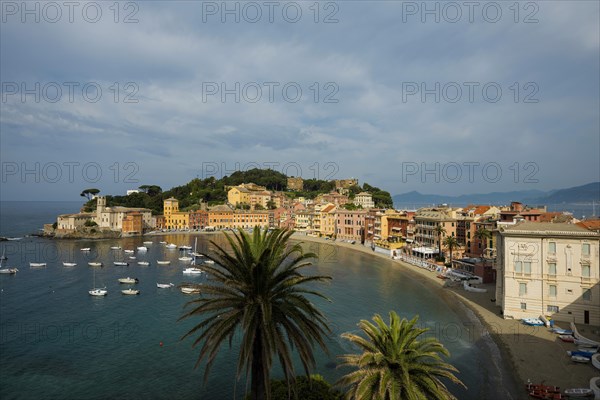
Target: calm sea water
point(57, 342)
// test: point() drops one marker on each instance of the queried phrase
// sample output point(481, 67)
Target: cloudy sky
point(438, 97)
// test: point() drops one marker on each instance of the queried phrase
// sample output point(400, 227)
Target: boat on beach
point(164, 285)
point(595, 386)
point(582, 339)
point(567, 338)
point(580, 359)
point(561, 331)
point(596, 361)
point(467, 286)
point(533, 321)
point(579, 392)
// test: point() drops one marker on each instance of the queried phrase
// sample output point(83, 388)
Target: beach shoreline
point(526, 353)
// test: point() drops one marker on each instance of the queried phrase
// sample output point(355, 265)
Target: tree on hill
point(89, 193)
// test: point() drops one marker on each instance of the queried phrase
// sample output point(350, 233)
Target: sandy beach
point(525, 352)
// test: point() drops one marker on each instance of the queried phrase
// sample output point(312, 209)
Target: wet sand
point(516, 352)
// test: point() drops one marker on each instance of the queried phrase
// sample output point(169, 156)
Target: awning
point(425, 250)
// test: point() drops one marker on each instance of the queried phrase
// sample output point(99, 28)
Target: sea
point(58, 342)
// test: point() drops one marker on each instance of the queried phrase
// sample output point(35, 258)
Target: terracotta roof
point(590, 224)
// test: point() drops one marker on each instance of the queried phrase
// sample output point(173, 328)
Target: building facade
point(549, 269)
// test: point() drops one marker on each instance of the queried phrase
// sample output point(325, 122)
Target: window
point(518, 267)
point(552, 309)
point(587, 294)
point(523, 306)
point(551, 268)
point(585, 271)
point(552, 247)
point(527, 265)
point(585, 249)
point(552, 290)
point(522, 289)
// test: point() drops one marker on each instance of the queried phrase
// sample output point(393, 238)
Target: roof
point(590, 224)
point(171, 199)
point(220, 207)
point(546, 228)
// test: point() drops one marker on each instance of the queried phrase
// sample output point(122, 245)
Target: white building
point(364, 199)
point(132, 191)
point(112, 217)
point(549, 269)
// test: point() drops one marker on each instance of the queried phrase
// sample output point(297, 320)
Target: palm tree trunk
point(258, 374)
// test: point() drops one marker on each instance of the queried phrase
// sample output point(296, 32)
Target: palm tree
point(395, 364)
point(257, 288)
point(482, 235)
point(450, 242)
point(439, 229)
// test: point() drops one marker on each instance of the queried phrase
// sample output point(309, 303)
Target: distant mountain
point(579, 194)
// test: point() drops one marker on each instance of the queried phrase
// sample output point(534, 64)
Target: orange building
point(133, 223)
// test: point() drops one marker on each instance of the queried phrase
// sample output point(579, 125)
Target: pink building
point(349, 225)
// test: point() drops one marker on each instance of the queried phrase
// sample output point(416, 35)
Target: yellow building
point(224, 217)
point(248, 193)
point(175, 219)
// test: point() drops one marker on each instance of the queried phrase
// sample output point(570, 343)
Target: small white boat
point(147, 243)
point(69, 264)
point(142, 248)
point(164, 285)
point(161, 242)
point(467, 286)
point(166, 262)
point(580, 359)
point(130, 291)
point(132, 257)
point(595, 386)
point(36, 264)
point(171, 246)
point(115, 248)
point(192, 270)
point(189, 290)
point(8, 270)
point(582, 339)
point(185, 247)
point(128, 280)
point(120, 263)
point(128, 251)
point(14, 238)
point(579, 392)
point(85, 249)
point(185, 258)
point(596, 361)
point(197, 254)
point(94, 264)
point(143, 263)
point(209, 262)
point(98, 292)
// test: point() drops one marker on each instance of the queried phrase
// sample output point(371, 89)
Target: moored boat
point(128, 280)
point(142, 248)
point(164, 285)
point(120, 263)
point(189, 290)
point(128, 251)
point(185, 247)
point(8, 270)
point(171, 246)
point(209, 262)
point(130, 291)
point(147, 243)
point(98, 292)
point(115, 247)
point(166, 262)
point(37, 264)
point(185, 258)
point(95, 264)
point(143, 263)
point(69, 264)
point(85, 249)
point(192, 270)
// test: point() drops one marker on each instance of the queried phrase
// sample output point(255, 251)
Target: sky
point(438, 97)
